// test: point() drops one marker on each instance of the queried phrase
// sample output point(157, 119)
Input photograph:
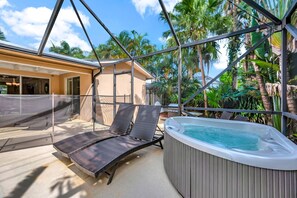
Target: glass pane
point(163, 90)
point(9, 84)
point(76, 86)
point(137, 24)
point(276, 7)
point(69, 86)
point(244, 86)
point(193, 22)
point(35, 86)
point(292, 75)
point(23, 22)
point(68, 38)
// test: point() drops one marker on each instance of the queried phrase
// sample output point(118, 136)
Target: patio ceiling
point(31, 68)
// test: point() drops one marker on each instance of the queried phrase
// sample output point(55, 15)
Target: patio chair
point(241, 118)
point(119, 126)
point(226, 115)
point(102, 156)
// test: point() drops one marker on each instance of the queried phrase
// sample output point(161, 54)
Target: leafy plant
point(277, 107)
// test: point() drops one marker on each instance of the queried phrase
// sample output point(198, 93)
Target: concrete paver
point(42, 172)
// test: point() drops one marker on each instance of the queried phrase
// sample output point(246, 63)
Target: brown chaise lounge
point(99, 157)
point(119, 127)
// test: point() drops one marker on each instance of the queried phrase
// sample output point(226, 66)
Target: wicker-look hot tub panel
point(197, 174)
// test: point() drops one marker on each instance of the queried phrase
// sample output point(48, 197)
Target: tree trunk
point(190, 73)
point(199, 51)
point(292, 106)
point(274, 89)
point(234, 72)
point(264, 94)
point(234, 78)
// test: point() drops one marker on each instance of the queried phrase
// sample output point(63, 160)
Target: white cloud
point(3, 30)
point(4, 3)
point(153, 6)
point(31, 22)
point(163, 40)
point(222, 63)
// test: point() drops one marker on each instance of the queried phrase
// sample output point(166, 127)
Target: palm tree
point(135, 43)
point(2, 36)
point(139, 44)
point(65, 49)
point(195, 20)
point(259, 53)
point(279, 9)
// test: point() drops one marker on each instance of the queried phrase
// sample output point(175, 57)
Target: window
point(35, 85)
point(9, 84)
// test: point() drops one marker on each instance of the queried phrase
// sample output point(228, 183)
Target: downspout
point(94, 109)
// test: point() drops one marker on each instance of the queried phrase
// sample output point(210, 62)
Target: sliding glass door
point(73, 89)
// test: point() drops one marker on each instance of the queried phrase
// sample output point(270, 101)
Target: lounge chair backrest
point(226, 115)
point(146, 122)
point(241, 118)
point(121, 122)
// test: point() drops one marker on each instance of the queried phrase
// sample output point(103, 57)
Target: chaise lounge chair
point(119, 127)
point(99, 157)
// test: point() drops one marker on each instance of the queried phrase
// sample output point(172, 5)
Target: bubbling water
point(225, 138)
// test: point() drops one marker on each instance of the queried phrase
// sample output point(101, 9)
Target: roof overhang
point(12, 53)
point(32, 60)
point(137, 66)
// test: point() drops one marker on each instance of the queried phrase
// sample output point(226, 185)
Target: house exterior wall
point(85, 93)
point(85, 83)
point(33, 60)
point(104, 83)
point(57, 87)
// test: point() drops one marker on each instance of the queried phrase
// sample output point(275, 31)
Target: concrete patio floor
point(14, 138)
point(42, 172)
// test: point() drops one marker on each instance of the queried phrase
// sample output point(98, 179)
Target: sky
point(24, 22)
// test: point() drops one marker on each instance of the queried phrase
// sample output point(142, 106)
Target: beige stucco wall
point(85, 83)
point(85, 92)
point(104, 82)
point(57, 86)
point(105, 87)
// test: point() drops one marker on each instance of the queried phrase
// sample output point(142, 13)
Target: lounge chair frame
point(113, 163)
point(95, 140)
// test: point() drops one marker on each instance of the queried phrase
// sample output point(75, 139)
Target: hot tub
point(221, 158)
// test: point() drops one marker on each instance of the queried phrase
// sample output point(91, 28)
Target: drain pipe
point(94, 109)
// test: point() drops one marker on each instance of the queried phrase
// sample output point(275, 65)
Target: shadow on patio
point(41, 172)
